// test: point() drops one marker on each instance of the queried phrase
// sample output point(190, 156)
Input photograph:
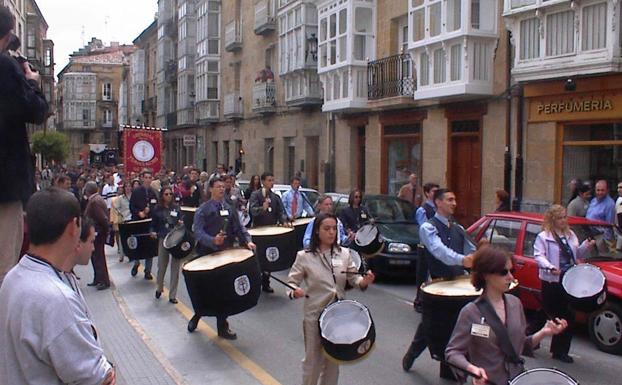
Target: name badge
point(337, 263)
point(363, 215)
point(480, 330)
point(224, 213)
point(153, 201)
point(174, 214)
point(269, 209)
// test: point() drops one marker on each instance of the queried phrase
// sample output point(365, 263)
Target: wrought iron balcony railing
point(390, 76)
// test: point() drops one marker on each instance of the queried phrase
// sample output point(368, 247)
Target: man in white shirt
point(109, 190)
point(46, 331)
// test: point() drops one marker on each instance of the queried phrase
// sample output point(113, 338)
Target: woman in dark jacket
point(164, 219)
point(355, 215)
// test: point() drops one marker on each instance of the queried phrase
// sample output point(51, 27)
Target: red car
point(516, 232)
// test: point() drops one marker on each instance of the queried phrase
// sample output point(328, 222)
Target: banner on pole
point(142, 149)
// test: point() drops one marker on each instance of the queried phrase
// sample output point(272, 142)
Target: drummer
point(325, 206)
point(295, 203)
point(216, 227)
point(472, 346)
point(267, 210)
point(142, 202)
point(321, 266)
point(448, 251)
point(165, 217)
point(557, 249)
point(356, 214)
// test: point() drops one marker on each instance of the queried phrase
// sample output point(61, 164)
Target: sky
point(108, 20)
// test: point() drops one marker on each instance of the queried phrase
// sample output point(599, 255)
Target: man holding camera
point(21, 102)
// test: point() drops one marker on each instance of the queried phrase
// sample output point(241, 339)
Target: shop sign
point(190, 140)
point(574, 108)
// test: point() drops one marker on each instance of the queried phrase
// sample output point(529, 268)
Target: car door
point(504, 234)
point(526, 268)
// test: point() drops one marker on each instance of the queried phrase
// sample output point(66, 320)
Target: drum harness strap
point(329, 264)
point(500, 331)
point(565, 249)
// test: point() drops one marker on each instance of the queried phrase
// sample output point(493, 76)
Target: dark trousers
point(418, 345)
point(555, 304)
point(221, 323)
point(98, 259)
point(265, 279)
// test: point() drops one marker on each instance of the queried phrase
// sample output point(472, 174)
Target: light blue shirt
point(428, 236)
point(603, 210)
point(341, 239)
point(420, 216)
point(303, 205)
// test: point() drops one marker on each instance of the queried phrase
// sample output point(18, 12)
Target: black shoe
point(408, 360)
point(563, 358)
point(92, 283)
point(227, 334)
point(267, 289)
point(418, 306)
point(134, 270)
point(173, 300)
point(192, 324)
point(102, 286)
point(148, 276)
point(158, 294)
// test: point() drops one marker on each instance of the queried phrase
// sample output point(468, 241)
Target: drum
point(179, 242)
point(223, 283)
point(275, 247)
point(442, 301)
point(300, 226)
point(188, 215)
point(347, 330)
point(368, 240)
point(585, 286)
point(540, 376)
point(136, 239)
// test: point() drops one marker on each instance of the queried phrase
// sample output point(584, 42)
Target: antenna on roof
point(82, 36)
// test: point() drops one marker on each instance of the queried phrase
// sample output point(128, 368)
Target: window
point(531, 232)
point(47, 60)
point(86, 117)
point(333, 37)
point(505, 234)
point(107, 91)
point(529, 39)
point(454, 14)
point(107, 118)
point(424, 69)
point(435, 19)
point(440, 71)
point(560, 33)
point(363, 38)
point(481, 63)
point(483, 14)
point(403, 155)
point(456, 62)
point(269, 154)
point(594, 27)
point(161, 31)
point(419, 24)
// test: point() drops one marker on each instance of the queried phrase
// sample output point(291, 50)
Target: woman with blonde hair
point(557, 249)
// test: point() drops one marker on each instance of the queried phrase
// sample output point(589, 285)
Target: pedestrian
point(303, 181)
point(578, 206)
point(572, 187)
point(556, 249)
point(502, 201)
point(253, 185)
point(142, 202)
point(355, 215)
point(217, 227)
point(295, 203)
point(447, 251)
point(219, 173)
point(194, 190)
point(325, 206)
point(320, 268)
point(96, 210)
point(109, 190)
point(120, 213)
point(411, 191)
point(57, 342)
point(427, 209)
point(21, 102)
point(602, 208)
point(267, 210)
point(494, 312)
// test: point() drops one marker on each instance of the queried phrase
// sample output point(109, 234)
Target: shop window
point(403, 155)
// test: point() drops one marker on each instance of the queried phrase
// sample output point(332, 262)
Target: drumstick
point(434, 356)
point(354, 272)
point(285, 283)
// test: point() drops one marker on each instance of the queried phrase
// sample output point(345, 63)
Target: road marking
point(237, 356)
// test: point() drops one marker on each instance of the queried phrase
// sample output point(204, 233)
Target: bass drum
point(224, 283)
point(347, 330)
point(300, 226)
point(585, 286)
point(368, 240)
point(136, 240)
point(179, 242)
point(541, 376)
point(275, 247)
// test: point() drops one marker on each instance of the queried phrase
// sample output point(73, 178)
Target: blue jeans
point(148, 264)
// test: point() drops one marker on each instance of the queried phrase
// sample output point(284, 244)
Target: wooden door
point(465, 171)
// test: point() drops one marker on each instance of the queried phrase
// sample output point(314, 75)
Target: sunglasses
point(505, 272)
point(168, 194)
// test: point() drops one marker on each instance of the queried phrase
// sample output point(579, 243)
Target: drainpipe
point(518, 184)
point(331, 157)
point(507, 156)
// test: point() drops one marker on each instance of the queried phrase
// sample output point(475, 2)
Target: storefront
point(574, 130)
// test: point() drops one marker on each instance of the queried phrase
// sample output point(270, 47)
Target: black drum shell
point(188, 216)
point(373, 248)
point(212, 292)
point(147, 247)
point(587, 304)
point(300, 226)
point(284, 243)
point(349, 352)
point(178, 251)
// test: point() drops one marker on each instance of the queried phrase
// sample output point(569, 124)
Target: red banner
point(142, 149)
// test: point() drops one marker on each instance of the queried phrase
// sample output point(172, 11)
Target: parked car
point(516, 232)
point(393, 216)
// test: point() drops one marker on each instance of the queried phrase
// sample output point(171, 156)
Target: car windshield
point(312, 196)
point(390, 210)
point(605, 237)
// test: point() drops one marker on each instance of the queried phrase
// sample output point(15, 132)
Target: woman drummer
point(321, 266)
point(165, 217)
point(556, 249)
point(474, 346)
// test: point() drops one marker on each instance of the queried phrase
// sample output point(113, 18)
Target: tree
point(53, 146)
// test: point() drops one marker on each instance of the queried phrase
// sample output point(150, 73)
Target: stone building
point(88, 96)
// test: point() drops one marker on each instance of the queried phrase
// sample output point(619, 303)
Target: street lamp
point(311, 47)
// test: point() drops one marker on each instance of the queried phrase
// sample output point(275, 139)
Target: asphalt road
point(270, 340)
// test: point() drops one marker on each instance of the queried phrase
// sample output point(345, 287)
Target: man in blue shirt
point(448, 251)
point(296, 205)
point(216, 226)
point(602, 207)
point(325, 205)
point(427, 209)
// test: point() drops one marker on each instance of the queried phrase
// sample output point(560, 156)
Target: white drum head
point(345, 322)
point(543, 376)
point(218, 259)
point(173, 238)
point(189, 209)
point(451, 288)
point(136, 222)
point(356, 258)
point(269, 230)
point(302, 221)
point(366, 235)
point(583, 281)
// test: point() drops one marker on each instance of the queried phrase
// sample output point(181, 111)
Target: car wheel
point(605, 327)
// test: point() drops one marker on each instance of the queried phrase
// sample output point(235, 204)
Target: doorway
point(465, 169)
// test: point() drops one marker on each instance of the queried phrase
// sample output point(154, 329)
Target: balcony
point(233, 36)
point(559, 39)
point(170, 71)
point(302, 89)
point(171, 120)
point(150, 104)
point(232, 106)
point(264, 97)
point(208, 111)
point(265, 21)
point(390, 81)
